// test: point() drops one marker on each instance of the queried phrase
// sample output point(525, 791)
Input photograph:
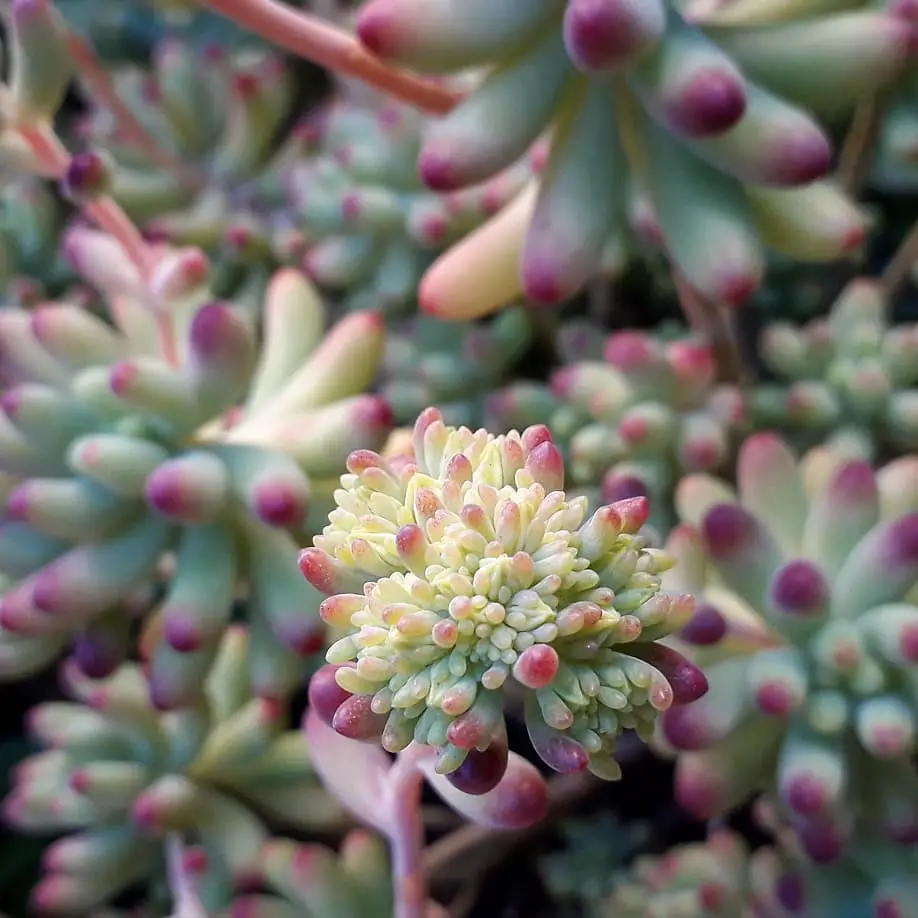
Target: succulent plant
point(312, 879)
point(373, 228)
point(116, 774)
point(223, 143)
point(721, 878)
point(701, 112)
point(634, 422)
point(809, 640)
point(128, 30)
point(896, 152)
point(584, 869)
point(119, 449)
point(709, 879)
point(791, 293)
point(429, 362)
point(850, 378)
point(32, 266)
point(481, 571)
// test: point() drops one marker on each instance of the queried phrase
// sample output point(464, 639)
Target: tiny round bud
point(88, 176)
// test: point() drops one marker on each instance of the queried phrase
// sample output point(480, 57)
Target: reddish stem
point(406, 834)
point(331, 47)
point(100, 86)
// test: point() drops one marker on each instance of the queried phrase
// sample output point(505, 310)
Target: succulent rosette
point(308, 878)
point(634, 420)
point(116, 775)
point(474, 571)
point(808, 636)
point(699, 114)
point(429, 362)
point(722, 878)
point(849, 378)
point(221, 134)
point(709, 879)
point(370, 226)
point(170, 451)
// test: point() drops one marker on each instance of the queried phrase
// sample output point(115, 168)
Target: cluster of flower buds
point(706, 127)
point(464, 567)
point(311, 879)
point(429, 362)
point(850, 377)
point(222, 128)
point(371, 225)
point(123, 451)
point(635, 421)
point(116, 775)
point(808, 636)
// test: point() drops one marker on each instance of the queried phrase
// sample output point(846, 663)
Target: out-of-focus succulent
point(128, 30)
point(635, 422)
point(594, 848)
point(311, 879)
point(877, 879)
point(791, 293)
point(850, 378)
point(117, 775)
point(720, 878)
point(36, 81)
point(32, 266)
point(895, 164)
point(709, 879)
point(373, 226)
point(705, 121)
point(481, 571)
point(226, 116)
point(119, 448)
point(806, 632)
point(430, 362)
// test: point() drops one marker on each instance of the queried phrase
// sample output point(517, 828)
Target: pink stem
point(328, 46)
point(406, 833)
point(97, 80)
point(54, 159)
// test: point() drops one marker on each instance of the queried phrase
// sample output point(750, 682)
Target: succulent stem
point(323, 44)
point(406, 834)
point(184, 897)
point(854, 158)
